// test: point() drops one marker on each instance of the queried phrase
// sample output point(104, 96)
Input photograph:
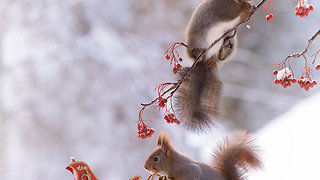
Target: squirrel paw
point(251, 8)
point(228, 47)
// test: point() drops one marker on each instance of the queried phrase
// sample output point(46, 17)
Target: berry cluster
point(171, 118)
point(303, 8)
point(268, 8)
point(162, 102)
point(306, 83)
point(269, 17)
point(172, 55)
point(144, 131)
point(284, 77)
point(176, 68)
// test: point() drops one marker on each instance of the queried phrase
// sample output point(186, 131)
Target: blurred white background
point(73, 74)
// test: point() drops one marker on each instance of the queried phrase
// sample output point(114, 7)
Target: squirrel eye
point(156, 158)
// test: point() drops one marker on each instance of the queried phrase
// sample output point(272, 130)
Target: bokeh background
point(73, 74)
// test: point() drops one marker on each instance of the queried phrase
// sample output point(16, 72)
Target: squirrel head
point(161, 157)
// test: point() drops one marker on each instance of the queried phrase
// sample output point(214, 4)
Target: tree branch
point(175, 86)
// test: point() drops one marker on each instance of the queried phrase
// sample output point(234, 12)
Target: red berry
point(300, 9)
point(314, 83)
point(174, 70)
point(317, 66)
point(270, 16)
point(162, 102)
point(179, 67)
point(180, 59)
point(311, 7)
point(167, 56)
point(275, 72)
point(308, 83)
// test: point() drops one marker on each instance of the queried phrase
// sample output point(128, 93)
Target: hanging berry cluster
point(306, 83)
point(303, 8)
point(169, 114)
point(143, 130)
point(284, 77)
point(268, 8)
point(172, 55)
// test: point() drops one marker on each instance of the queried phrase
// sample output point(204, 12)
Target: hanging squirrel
point(232, 159)
point(198, 98)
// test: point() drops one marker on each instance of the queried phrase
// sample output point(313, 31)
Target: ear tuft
point(164, 142)
point(160, 138)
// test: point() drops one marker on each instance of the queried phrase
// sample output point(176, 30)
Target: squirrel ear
point(164, 142)
point(160, 136)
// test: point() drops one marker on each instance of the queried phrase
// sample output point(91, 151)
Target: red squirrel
point(198, 98)
point(232, 159)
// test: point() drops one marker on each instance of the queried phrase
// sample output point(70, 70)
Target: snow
point(284, 73)
point(290, 143)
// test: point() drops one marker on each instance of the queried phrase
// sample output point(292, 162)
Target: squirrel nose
point(145, 166)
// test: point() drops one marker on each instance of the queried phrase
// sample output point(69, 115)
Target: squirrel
point(198, 97)
point(232, 159)
point(210, 20)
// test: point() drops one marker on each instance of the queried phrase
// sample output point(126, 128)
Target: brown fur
point(234, 156)
point(198, 98)
point(208, 14)
point(238, 154)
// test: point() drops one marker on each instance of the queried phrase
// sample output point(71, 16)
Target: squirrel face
point(156, 161)
point(159, 158)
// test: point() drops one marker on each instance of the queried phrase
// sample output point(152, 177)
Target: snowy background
point(73, 74)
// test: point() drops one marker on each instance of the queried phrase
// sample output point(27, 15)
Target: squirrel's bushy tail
point(236, 155)
point(198, 98)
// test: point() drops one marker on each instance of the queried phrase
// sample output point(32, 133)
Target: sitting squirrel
point(199, 95)
point(235, 155)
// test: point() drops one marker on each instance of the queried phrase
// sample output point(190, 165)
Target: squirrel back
point(235, 156)
point(198, 98)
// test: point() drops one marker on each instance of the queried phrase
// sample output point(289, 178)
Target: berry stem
point(282, 64)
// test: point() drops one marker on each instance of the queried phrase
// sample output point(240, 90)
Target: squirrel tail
point(236, 155)
point(198, 98)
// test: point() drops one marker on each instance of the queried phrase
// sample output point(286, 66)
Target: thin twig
point(297, 55)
